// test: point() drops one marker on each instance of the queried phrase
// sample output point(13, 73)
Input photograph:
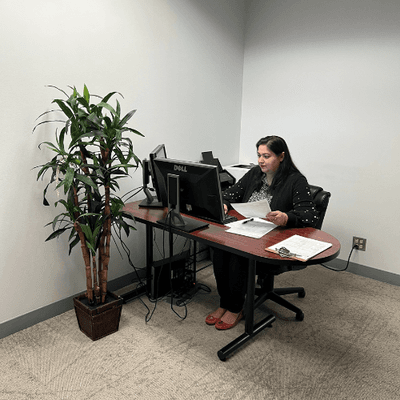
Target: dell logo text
point(181, 168)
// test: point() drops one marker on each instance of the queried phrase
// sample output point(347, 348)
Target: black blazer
point(293, 197)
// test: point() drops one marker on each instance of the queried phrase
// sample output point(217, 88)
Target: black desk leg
point(149, 253)
point(250, 329)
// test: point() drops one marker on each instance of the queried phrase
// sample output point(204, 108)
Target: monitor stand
point(175, 220)
point(150, 201)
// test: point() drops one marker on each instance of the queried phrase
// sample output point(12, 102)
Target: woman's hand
point(225, 209)
point(277, 218)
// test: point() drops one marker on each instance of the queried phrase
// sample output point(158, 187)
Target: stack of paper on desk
point(299, 247)
point(252, 227)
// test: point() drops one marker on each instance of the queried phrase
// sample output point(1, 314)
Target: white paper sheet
point(253, 209)
point(302, 248)
point(253, 227)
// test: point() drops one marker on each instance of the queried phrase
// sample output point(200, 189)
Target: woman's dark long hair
point(278, 145)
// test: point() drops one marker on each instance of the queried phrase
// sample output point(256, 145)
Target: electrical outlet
point(360, 242)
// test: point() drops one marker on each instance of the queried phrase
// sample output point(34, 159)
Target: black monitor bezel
point(162, 181)
point(153, 155)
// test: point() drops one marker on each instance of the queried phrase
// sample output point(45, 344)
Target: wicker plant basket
point(98, 321)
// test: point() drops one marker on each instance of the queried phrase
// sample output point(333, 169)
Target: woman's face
point(267, 160)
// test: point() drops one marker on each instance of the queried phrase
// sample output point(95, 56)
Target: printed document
point(299, 247)
point(253, 209)
point(251, 227)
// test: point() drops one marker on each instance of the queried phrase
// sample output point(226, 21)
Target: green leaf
point(50, 146)
point(56, 233)
point(73, 243)
point(92, 117)
point(55, 87)
point(128, 216)
point(64, 108)
point(133, 130)
point(69, 177)
point(86, 94)
point(96, 231)
point(86, 180)
point(126, 118)
point(107, 121)
point(85, 104)
point(90, 214)
point(60, 140)
point(106, 98)
point(91, 248)
point(108, 107)
point(118, 110)
point(54, 223)
point(42, 171)
point(45, 202)
point(87, 231)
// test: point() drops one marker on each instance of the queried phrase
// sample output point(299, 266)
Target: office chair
point(267, 275)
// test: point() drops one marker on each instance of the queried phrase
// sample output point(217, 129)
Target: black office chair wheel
point(300, 316)
point(302, 294)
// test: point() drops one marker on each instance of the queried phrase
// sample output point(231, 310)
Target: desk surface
point(215, 235)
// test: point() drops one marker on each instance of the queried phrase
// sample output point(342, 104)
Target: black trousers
point(230, 273)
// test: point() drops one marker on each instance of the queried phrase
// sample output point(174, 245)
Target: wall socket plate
point(360, 242)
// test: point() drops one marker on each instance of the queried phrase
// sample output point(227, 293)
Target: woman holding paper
point(277, 179)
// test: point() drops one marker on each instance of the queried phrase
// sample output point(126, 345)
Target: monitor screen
point(199, 187)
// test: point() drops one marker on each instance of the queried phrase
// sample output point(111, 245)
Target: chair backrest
point(321, 200)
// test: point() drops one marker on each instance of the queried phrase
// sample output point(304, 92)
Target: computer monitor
point(197, 186)
point(158, 152)
point(150, 200)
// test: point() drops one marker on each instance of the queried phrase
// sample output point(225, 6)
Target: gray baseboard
point(34, 317)
point(54, 309)
point(59, 307)
point(367, 272)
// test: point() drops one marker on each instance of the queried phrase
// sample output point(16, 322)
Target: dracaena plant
point(91, 154)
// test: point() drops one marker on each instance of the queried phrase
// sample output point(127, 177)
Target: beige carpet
point(347, 347)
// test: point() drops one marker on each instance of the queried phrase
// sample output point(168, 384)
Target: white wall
point(178, 62)
point(325, 75)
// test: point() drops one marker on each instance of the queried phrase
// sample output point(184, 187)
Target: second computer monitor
point(199, 187)
point(158, 152)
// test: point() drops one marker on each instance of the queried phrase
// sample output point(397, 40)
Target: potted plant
point(91, 155)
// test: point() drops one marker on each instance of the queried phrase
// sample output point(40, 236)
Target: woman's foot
point(229, 320)
point(215, 317)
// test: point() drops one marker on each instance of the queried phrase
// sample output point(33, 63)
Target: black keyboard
point(228, 219)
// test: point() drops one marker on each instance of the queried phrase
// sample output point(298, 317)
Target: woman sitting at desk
point(276, 179)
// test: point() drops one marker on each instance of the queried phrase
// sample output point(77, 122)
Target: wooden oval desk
point(215, 235)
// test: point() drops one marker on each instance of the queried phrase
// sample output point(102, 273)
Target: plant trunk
point(95, 284)
point(106, 236)
point(85, 252)
point(105, 246)
point(86, 259)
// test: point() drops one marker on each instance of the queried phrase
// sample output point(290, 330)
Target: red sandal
point(223, 326)
point(210, 320)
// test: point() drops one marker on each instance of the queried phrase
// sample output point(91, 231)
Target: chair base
point(267, 292)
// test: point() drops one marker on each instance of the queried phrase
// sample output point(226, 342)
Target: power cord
point(150, 314)
point(206, 266)
point(348, 261)
point(180, 302)
point(183, 301)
